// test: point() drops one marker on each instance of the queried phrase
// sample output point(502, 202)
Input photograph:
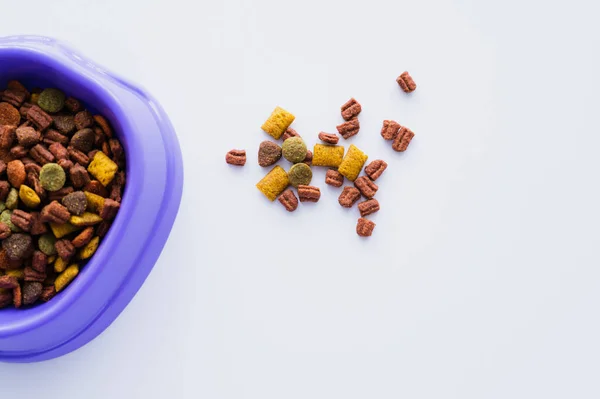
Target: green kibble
point(294, 149)
point(51, 100)
point(5, 218)
point(52, 177)
point(46, 244)
point(2, 206)
point(12, 200)
point(300, 174)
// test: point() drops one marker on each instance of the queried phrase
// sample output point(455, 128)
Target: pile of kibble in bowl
point(343, 165)
point(62, 174)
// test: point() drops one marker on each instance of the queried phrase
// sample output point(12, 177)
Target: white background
point(482, 277)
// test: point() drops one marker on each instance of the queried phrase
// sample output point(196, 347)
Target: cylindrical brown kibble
point(309, 193)
point(328, 138)
point(364, 227)
point(389, 131)
point(351, 109)
point(368, 207)
point(406, 82)
point(375, 169)
point(349, 196)
point(334, 178)
point(366, 186)
point(403, 139)
point(288, 200)
point(236, 157)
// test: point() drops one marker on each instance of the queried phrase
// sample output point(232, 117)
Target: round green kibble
point(5, 218)
point(294, 149)
point(52, 177)
point(46, 244)
point(300, 174)
point(12, 200)
point(51, 100)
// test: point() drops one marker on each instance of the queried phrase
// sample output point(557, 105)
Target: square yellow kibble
point(94, 202)
point(328, 155)
point(353, 163)
point(274, 183)
point(278, 122)
point(103, 168)
point(86, 219)
point(61, 230)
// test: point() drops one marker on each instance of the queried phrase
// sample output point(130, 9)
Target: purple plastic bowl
point(150, 202)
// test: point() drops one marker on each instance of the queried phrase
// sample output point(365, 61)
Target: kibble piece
point(18, 246)
point(66, 277)
point(64, 123)
point(334, 178)
point(28, 136)
point(21, 219)
point(309, 193)
point(61, 230)
point(52, 177)
point(4, 190)
point(352, 163)
point(95, 187)
point(351, 109)
point(268, 153)
point(51, 100)
point(290, 132)
point(104, 125)
point(14, 97)
point(9, 115)
point(37, 226)
point(39, 261)
point(288, 200)
point(54, 212)
point(46, 244)
point(328, 138)
point(375, 169)
point(6, 218)
point(234, 157)
point(47, 293)
point(403, 139)
point(278, 122)
point(109, 209)
point(79, 176)
point(364, 227)
point(12, 200)
point(294, 149)
point(390, 128)
point(94, 202)
point(348, 129)
point(32, 275)
point(7, 136)
point(89, 249)
point(39, 118)
point(86, 219)
point(103, 168)
point(349, 196)
point(15, 170)
point(8, 282)
point(73, 105)
point(274, 183)
point(4, 231)
point(328, 155)
point(31, 292)
point(366, 186)
point(406, 82)
point(64, 249)
point(19, 274)
point(60, 265)
point(83, 238)
point(29, 197)
point(300, 174)
point(368, 207)
point(75, 202)
point(308, 158)
point(83, 140)
point(83, 119)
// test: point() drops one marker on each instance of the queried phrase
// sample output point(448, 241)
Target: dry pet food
point(236, 157)
point(290, 132)
point(366, 186)
point(368, 207)
point(349, 129)
point(406, 82)
point(352, 163)
point(308, 158)
point(51, 149)
point(351, 109)
point(328, 155)
point(328, 138)
point(309, 193)
point(288, 200)
point(334, 178)
point(364, 227)
point(268, 153)
point(294, 149)
point(349, 196)
point(402, 140)
point(274, 183)
point(300, 174)
point(375, 169)
point(389, 131)
point(278, 122)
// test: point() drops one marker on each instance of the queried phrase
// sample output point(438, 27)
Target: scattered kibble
point(236, 157)
point(278, 122)
point(288, 200)
point(366, 186)
point(327, 155)
point(351, 109)
point(300, 174)
point(309, 193)
point(334, 178)
point(349, 196)
point(364, 227)
point(268, 153)
point(402, 140)
point(352, 163)
point(406, 82)
point(349, 129)
point(368, 207)
point(52, 177)
point(274, 183)
point(328, 138)
point(375, 169)
point(290, 132)
point(294, 149)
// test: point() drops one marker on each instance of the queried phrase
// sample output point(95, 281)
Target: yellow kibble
point(61, 230)
point(19, 274)
point(94, 202)
point(51, 259)
point(87, 219)
point(274, 183)
point(278, 122)
point(34, 98)
point(29, 197)
point(66, 277)
point(327, 155)
point(89, 249)
point(103, 168)
point(60, 265)
point(353, 163)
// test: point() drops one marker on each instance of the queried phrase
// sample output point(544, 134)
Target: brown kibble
point(366, 186)
point(15, 170)
point(349, 196)
point(268, 153)
point(47, 293)
point(28, 136)
point(364, 227)
point(334, 178)
point(375, 169)
point(8, 282)
point(328, 138)
point(39, 261)
point(38, 227)
point(290, 132)
point(17, 297)
point(349, 129)
point(15, 97)
point(83, 119)
point(308, 158)
point(9, 115)
point(18, 246)
point(389, 131)
point(7, 136)
point(24, 110)
point(52, 136)
point(95, 187)
point(4, 231)
point(60, 194)
point(351, 109)
point(309, 193)
point(403, 139)
point(64, 124)
point(73, 105)
point(21, 219)
point(79, 176)
point(109, 209)
point(55, 213)
point(31, 292)
point(83, 238)
point(104, 125)
point(39, 118)
point(78, 157)
point(2, 167)
point(103, 228)
point(236, 157)
point(59, 151)
point(64, 249)
point(18, 151)
point(368, 207)
point(33, 275)
point(83, 140)
point(288, 200)
point(406, 82)
point(4, 190)
point(76, 203)
point(41, 155)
